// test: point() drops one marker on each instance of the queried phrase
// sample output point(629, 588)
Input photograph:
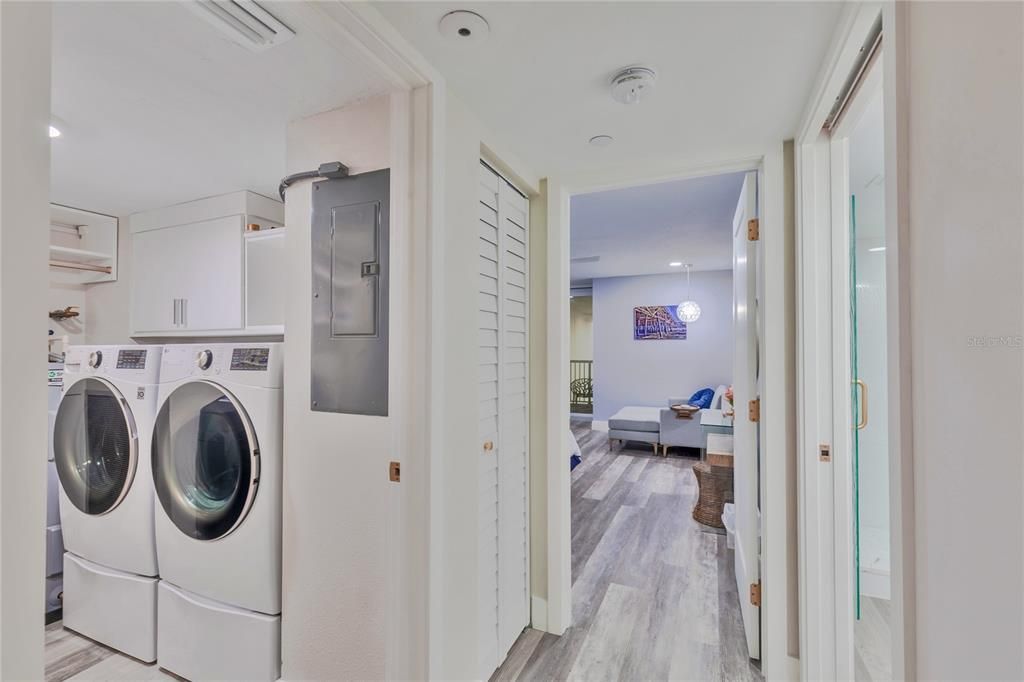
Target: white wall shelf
point(83, 246)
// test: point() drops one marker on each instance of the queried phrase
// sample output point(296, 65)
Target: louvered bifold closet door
point(513, 590)
point(503, 413)
point(489, 315)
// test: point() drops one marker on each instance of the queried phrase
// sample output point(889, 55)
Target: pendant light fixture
point(688, 310)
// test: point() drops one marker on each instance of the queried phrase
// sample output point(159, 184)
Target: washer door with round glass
point(205, 460)
point(95, 446)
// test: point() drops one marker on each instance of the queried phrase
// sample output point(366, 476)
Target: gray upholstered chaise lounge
point(641, 424)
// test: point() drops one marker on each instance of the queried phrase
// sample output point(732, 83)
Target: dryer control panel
point(250, 359)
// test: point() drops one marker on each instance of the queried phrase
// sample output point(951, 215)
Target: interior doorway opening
point(654, 589)
point(171, 129)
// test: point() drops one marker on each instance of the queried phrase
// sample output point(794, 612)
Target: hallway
point(654, 595)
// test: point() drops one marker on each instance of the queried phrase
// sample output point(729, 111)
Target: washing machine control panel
point(131, 359)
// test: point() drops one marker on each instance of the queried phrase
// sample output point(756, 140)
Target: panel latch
point(371, 269)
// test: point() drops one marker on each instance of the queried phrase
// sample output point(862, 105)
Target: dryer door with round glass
point(95, 445)
point(205, 460)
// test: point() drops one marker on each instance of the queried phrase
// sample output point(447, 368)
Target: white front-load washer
point(216, 466)
point(101, 438)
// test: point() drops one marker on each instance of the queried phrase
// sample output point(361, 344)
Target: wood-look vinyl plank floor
point(654, 593)
point(70, 656)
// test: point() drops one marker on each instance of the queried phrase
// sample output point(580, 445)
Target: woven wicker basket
point(715, 485)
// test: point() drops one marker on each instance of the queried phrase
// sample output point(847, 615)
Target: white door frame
point(414, 629)
point(823, 398)
point(769, 164)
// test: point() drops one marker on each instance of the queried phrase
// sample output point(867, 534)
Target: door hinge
point(755, 593)
point(395, 472)
point(753, 230)
point(754, 410)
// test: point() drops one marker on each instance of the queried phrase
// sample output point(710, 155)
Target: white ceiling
point(640, 230)
point(157, 106)
point(731, 75)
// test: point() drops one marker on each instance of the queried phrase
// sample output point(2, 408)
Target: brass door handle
point(488, 446)
point(863, 422)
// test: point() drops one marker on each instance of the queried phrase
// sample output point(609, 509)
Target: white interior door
point(502, 231)
point(745, 430)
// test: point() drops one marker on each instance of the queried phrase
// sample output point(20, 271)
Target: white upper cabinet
point(193, 268)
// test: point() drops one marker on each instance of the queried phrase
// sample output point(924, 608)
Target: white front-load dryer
point(216, 466)
point(101, 439)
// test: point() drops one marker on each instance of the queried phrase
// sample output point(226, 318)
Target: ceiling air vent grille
point(244, 22)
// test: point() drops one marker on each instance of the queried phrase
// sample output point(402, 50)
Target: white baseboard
point(599, 425)
point(539, 613)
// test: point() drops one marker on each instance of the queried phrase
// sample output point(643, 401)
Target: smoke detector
point(629, 85)
point(463, 26)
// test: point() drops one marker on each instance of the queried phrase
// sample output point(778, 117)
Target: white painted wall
point(581, 328)
point(964, 183)
point(630, 372)
point(24, 213)
point(337, 498)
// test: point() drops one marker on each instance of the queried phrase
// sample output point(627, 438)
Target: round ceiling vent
point(629, 85)
point(463, 26)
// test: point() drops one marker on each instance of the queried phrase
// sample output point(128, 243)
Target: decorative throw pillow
point(702, 398)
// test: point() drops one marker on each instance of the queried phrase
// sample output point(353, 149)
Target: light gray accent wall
point(628, 372)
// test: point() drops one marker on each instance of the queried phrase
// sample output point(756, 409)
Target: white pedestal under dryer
point(101, 447)
point(217, 474)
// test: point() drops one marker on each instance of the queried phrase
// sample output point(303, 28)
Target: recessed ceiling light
point(601, 140)
point(675, 264)
point(463, 26)
point(54, 131)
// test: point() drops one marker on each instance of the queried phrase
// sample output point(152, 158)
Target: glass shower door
point(868, 391)
point(857, 388)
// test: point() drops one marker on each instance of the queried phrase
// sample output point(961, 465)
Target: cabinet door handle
point(177, 311)
point(184, 312)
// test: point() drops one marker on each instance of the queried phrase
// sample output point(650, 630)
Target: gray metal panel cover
point(349, 371)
